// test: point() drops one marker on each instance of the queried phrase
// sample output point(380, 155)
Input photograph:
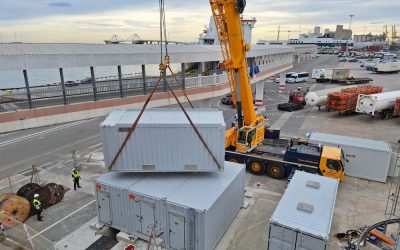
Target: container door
point(306, 242)
point(281, 238)
point(176, 231)
point(103, 203)
point(147, 217)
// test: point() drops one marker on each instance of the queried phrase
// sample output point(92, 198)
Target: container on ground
point(303, 217)
point(186, 210)
point(164, 140)
point(367, 159)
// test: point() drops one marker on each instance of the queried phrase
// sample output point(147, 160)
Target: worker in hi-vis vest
point(38, 206)
point(75, 177)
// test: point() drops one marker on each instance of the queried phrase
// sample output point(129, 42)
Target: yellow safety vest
point(37, 204)
point(75, 174)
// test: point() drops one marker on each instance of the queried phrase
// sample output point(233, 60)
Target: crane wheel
point(276, 172)
point(256, 167)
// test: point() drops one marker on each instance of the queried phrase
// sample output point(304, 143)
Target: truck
point(296, 101)
point(327, 75)
point(245, 142)
point(367, 159)
point(337, 76)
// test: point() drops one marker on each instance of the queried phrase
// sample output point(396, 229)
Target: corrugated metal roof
point(14, 56)
point(155, 116)
point(353, 141)
point(322, 200)
point(195, 190)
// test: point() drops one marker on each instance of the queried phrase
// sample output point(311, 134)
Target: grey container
point(303, 217)
point(186, 210)
point(164, 140)
point(367, 159)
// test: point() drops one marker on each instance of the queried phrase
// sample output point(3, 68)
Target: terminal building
point(34, 106)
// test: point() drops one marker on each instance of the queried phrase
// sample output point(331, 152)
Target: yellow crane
point(250, 130)
point(245, 142)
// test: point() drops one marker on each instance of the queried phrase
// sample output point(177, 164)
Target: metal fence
point(23, 235)
point(40, 96)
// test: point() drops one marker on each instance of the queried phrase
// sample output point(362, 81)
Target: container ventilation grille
point(313, 184)
point(305, 207)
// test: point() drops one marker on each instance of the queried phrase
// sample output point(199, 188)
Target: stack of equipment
point(169, 181)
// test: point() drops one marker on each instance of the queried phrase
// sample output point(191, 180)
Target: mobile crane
point(245, 143)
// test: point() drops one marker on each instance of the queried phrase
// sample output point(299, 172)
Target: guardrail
point(40, 96)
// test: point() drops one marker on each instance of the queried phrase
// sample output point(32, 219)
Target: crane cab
point(249, 137)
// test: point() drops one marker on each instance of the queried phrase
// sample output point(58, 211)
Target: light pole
point(351, 17)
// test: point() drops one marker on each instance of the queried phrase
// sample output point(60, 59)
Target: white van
point(288, 75)
point(299, 77)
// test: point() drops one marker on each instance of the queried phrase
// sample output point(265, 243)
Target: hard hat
point(35, 195)
point(73, 169)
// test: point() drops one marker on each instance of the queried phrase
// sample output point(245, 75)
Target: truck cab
point(324, 160)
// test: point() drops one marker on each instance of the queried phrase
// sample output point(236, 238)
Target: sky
point(96, 20)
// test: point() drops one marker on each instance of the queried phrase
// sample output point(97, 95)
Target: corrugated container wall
point(185, 210)
point(301, 220)
point(367, 159)
point(164, 140)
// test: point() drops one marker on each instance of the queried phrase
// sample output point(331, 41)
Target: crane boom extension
point(250, 131)
point(229, 27)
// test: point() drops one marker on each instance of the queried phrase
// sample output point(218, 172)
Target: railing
point(40, 96)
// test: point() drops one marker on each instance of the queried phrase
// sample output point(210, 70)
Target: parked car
point(352, 59)
point(277, 80)
point(71, 83)
point(344, 59)
point(87, 80)
point(227, 100)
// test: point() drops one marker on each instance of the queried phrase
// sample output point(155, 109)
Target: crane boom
point(229, 28)
point(250, 130)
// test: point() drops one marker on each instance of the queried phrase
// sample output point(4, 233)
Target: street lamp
point(351, 17)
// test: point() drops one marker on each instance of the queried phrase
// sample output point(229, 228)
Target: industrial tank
point(369, 104)
point(319, 97)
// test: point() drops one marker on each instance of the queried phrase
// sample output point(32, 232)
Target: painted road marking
point(26, 137)
point(47, 153)
point(98, 144)
point(66, 217)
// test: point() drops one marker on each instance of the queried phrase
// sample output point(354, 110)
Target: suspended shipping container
point(164, 140)
point(303, 217)
point(183, 210)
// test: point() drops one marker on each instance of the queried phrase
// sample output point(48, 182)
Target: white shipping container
point(317, 73)
point(387, 67)
point(184, 210)
point(367, 159)
point(301, 221)
point(164, 140)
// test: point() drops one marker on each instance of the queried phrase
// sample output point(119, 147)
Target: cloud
point(84, 21)
point(59, 4)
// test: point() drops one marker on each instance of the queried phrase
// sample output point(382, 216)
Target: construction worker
point(38, 206)
point(75, 177)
